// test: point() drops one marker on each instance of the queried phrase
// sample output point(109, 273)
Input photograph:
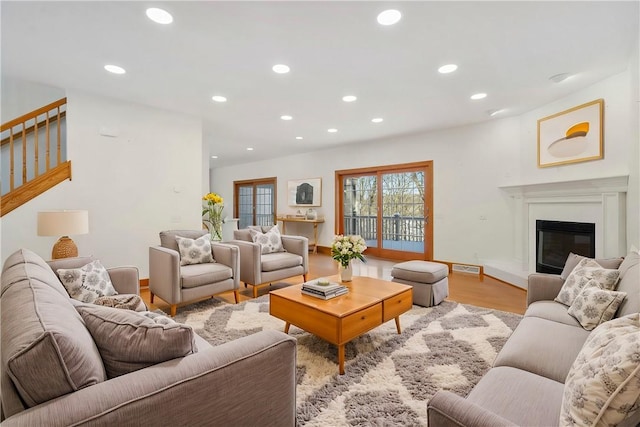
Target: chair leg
point(255, 291)
point(235, 295)
point(245, 284)
point(304, 277)
point(152, 296)
point(174, 308)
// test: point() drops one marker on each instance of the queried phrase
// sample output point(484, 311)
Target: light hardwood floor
point(465, 288)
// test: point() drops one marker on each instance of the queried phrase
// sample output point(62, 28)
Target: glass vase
point(346, 273)
point(216, 231)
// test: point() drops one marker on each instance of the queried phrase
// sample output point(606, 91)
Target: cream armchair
point(177, 284)
point(258, 269)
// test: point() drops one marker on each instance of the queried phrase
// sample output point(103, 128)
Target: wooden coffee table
point(369, 303)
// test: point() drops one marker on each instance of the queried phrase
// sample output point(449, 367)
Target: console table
point(315, 223)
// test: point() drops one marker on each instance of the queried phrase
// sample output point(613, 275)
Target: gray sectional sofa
point(526, 384)
point(53, 373)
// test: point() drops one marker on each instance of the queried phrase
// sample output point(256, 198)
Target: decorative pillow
point(196, 251)
point(586, 270)
point(123, 301)
point(595, 305)
point(87, 283)
point(271, 241)
point(129, 340)
point(603, 385)
point(573, 260)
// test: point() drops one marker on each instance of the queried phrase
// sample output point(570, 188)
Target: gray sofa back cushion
point(629, 283)
point(46, 349)
point(168, 238)
point(573, 260)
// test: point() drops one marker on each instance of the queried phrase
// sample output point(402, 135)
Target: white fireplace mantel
point(601, 201)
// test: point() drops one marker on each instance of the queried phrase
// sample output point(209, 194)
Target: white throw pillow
point(586, 270)
point(603, 385)
point(595, 305)
point(270, 242)
point(88, 282)
point(194, 251)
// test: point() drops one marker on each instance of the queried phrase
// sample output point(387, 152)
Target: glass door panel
point(403, 211)
point(255, 202)
point(360, 208)
point(245, 206)
point(265, 202)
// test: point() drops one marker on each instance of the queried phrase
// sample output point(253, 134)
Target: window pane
point(264, 204)
point(361, 207)
point(403, 211)
point(245, 206)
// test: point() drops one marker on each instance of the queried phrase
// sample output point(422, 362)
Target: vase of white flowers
point(344, 249)
point(212, 211)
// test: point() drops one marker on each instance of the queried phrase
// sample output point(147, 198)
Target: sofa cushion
point(243, 234)
point(524, 398)
point(629, 283)
point(128, 340)
point(194, 251)
point(280, 260)
point(46, 349)
point(543, 347)
point(586, 270)
point(551, 310)
point(122, 301)
point(204, 274)
point(168, 237)
point(88, 282)
point(573, 260)
point(603, 385)
point(595, 305)
point(269, 241)
point(420, 271)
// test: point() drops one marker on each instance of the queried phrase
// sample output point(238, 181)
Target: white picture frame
point(304, 192)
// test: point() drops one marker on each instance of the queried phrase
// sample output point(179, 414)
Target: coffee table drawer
point(358, 323)
point(395, 306)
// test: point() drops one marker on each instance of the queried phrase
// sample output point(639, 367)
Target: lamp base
point(64, 248)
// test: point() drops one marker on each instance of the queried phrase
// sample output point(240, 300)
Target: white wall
point(470, 163)
point(20, 97)
point(145, 180)
point(633, 202)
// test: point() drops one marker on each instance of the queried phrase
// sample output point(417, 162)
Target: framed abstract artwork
point(571, 136)
point(305, 192)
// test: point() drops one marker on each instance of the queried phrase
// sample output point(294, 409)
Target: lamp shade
point(63, 223)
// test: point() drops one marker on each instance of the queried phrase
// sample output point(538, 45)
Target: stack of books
point(323, 289)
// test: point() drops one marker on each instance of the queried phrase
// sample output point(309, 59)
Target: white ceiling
point(506, 49)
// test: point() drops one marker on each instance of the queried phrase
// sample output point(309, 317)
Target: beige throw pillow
point(88, 282)
point(129, 340)
point(595, 305)
point(603, 385)
point(194, 251)
point(586, 270)
point(270, 241)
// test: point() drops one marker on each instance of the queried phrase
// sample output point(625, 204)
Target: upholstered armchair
point(258, 268)
point(177, 276)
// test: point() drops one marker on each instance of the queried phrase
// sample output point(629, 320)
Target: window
point(255, 202)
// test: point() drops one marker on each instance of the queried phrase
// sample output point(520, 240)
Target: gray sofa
point(46, 349)
point(526, 383)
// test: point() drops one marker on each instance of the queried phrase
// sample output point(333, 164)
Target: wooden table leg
point(341, 358)
point(398, 324)
point(315, 238)
point(286, 327)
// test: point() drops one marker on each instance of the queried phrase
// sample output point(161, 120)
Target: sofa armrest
point(229, 256)
point(543, 287)
point(446, 409)
point(250, 261)
point(125, 279)
point(298, 245)
point(211, 387)
point(164, 273)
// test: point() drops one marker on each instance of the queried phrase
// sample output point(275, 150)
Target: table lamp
point(63, 223)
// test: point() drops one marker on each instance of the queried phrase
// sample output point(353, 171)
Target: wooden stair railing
point(24, 131)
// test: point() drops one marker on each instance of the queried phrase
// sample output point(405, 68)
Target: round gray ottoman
point(429, 280)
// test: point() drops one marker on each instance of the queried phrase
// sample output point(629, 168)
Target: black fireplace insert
point(556, 239)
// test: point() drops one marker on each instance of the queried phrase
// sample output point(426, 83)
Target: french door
point(389, 206)
point(255, 202)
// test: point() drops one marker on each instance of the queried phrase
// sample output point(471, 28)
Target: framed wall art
point(305, 192)
point(571, 136)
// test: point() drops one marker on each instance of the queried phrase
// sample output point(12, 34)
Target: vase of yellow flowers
point(212, 213)
point(343, 250)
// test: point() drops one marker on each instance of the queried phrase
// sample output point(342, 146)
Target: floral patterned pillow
point(586, 270)
point(595, 305)
point(270, 242)
point(87, 283)
point(603, 385)
point(194, 251)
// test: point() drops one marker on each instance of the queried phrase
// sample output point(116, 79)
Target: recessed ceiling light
point(219, 98)
point(299, 137)
point(281, 69)
point(389, 17)
point(249, 148)
point(349, 98)
point(377, 120)
point(559, 77)
point(214, 157)
point(286, 117)
point(159, 16)
point(114, 69)
point(449, 68)
point(477, 96)
point(332, 130)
